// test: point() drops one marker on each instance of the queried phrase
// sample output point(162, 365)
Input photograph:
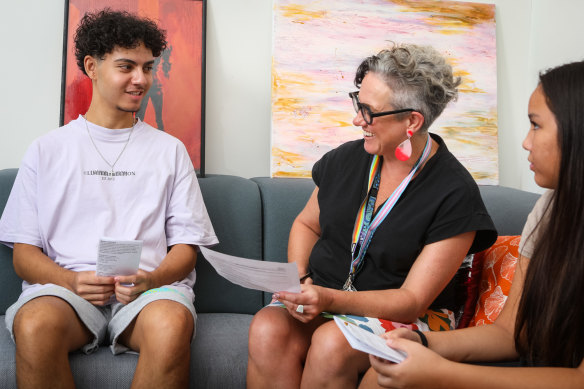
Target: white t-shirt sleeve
point(187, 220)
point(19, 222)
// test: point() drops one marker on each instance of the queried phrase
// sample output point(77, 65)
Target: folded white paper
point(253, 274)
point(118, 257)
point(368, 342)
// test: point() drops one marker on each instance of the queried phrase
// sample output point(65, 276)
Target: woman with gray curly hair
point(383, 234)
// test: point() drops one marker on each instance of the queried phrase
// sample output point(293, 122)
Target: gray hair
point(418, 76)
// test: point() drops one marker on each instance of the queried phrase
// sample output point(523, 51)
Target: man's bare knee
point(49, 322)
point(168, 316)
point(162, 324)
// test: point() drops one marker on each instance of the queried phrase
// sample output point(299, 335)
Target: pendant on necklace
point(349, 285)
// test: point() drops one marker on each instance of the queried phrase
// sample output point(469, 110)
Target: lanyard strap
point(365, 228)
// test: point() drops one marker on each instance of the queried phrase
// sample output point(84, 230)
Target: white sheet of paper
point(369, 343)
point(118, 257)
point(253, 274)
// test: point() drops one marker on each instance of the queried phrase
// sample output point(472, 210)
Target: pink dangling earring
point(403, 152)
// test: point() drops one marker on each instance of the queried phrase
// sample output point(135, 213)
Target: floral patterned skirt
point(432, 320)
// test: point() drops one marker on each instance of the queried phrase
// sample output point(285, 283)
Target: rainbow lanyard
point(365, 228)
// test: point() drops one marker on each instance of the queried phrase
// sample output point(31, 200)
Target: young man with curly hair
point(106, 174)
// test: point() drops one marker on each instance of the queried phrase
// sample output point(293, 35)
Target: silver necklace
point(111, 165)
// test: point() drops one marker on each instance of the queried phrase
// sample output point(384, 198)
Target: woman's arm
point(304, 233)
point(431, 272)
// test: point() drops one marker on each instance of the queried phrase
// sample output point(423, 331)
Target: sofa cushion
point(498, 267)
point(218, 357)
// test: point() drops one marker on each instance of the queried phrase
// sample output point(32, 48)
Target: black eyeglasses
point(366, 111)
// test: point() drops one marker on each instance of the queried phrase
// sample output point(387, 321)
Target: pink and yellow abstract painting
point(318, 45)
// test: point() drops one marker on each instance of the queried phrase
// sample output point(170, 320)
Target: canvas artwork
point(174, 103)
point(318, 45)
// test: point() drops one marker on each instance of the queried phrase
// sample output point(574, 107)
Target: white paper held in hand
point(118, 257)
point(368, 342)
point(254, 274)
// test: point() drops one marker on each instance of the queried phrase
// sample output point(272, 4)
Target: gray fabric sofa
point(252, 218)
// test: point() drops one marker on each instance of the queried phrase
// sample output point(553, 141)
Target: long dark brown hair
point(550, 318)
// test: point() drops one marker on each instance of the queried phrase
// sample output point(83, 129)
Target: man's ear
point(415, 121)
point(90, 64)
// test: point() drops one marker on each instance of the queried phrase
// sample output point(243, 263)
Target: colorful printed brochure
point(363, 340)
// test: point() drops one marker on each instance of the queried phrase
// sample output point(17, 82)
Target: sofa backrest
point(234, 207)
point(284, 198)
point(282, 201)
point(508, 207)
point(10, 283)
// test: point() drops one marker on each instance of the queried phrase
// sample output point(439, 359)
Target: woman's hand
point(421, 369)
point(128, 288)
point(313, 299)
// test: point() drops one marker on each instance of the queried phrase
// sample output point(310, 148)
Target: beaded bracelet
point(422, 337)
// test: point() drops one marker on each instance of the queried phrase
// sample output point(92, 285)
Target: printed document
point(254, 274)
point(369, 343)
point(118, 257)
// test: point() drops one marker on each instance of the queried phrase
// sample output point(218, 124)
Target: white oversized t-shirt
point(65, 198)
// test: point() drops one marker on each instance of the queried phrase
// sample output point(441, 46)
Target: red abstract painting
point(174, 103)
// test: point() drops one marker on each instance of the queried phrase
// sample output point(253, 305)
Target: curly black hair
point(99, 33)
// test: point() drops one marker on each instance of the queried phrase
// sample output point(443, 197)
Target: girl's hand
point(402, 333)
point(421, 369)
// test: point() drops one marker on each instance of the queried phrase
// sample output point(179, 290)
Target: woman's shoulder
point(447, 170)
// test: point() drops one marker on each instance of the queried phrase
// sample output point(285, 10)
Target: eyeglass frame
point(360, 108)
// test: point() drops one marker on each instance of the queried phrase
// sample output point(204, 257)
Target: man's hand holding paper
point(98, 290)
point(119, 260)
point(128, 288)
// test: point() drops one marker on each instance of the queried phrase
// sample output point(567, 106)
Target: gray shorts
point(108, 321)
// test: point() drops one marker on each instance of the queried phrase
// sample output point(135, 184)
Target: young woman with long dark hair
point(543, 318)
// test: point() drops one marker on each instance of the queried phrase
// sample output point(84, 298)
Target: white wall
point(556, 38)
point(30, 74)
point(531, 35)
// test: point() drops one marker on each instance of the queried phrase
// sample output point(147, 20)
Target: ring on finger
point(300, 308)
